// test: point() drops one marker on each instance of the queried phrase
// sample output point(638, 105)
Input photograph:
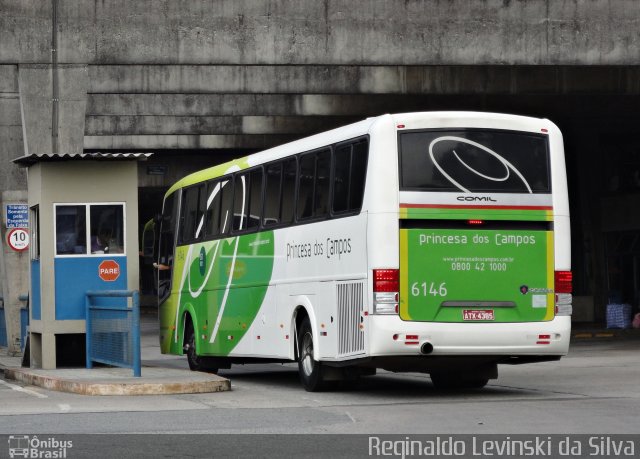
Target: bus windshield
point(474, 161)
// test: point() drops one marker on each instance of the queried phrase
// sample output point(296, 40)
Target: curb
point(211, 383)
point(620, 335)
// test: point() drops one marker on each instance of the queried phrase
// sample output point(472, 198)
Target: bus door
point(164, 267)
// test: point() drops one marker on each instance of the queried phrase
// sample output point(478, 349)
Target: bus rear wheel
point(309, 369)
point(196, 362)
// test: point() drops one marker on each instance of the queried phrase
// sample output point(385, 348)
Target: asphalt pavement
point(165, 374)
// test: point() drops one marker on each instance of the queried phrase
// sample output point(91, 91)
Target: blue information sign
point(17, 215)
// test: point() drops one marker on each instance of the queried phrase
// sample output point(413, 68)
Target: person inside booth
point(107, 229)
point(103, 242)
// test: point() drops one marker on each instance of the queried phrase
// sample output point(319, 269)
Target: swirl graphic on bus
point(508, 167)
point(186, 274)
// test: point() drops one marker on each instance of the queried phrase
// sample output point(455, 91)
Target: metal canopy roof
point(34, 158)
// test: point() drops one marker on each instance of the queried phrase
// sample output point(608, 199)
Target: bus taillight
point(563, 282)
point(386, 287)
point(563, 288)
point(386, 280)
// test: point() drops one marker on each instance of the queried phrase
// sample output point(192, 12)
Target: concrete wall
point(547, 32)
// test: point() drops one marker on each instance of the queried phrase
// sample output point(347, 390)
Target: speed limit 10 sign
point(18, 239)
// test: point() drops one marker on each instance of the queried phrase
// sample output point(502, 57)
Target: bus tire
point(454, 381)
point(310, 370)
point(196, 362)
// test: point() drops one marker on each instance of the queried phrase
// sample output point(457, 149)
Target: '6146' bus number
point(425, 289)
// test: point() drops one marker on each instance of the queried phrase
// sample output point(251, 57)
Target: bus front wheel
point(310, 370)
point(196, 362)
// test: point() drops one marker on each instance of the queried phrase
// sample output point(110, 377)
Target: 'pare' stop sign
point(109, 270)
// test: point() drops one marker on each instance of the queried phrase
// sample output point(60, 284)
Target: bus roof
point(308, 143)
point(337, 135)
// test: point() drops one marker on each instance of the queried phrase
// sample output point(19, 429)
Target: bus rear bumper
point(392, 336)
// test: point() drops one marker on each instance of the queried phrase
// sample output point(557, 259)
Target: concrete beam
point(130, 125)
point(274, 79)
point(346, 32)
point(377, 79)
point(111, 113)
point(342, 32)
point(186, 142)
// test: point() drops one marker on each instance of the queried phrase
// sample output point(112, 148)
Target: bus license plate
point(474, 314)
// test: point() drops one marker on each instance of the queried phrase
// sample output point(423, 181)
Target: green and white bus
point(435, 242)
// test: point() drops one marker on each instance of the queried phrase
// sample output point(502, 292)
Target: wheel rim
point(307, 354)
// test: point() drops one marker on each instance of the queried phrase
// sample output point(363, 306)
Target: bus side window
point(212, 205)
point(322, 184)
point(240, 202)
point(226, 205)
point(359, 156)
point(341, 172)
point(273, 185)
point(288, 197)
point(191, 216)
point(255, 199)
point(349, 171)
point(305, 186)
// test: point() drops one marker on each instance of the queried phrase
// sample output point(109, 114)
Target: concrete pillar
point(53, 100)
point(15, 275)
point(52, 105)
point(14, 266)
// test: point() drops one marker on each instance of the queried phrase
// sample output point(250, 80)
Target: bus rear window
point(474, 161)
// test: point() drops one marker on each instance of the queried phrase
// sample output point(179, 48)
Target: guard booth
point(84, 225)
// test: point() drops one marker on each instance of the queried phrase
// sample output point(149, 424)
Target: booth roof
point(33, 158)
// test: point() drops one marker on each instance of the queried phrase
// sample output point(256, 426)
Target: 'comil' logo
point(33, 447)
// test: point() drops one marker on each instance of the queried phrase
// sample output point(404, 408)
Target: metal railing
point(113, 329)
point(3, 324)
point(24, 322)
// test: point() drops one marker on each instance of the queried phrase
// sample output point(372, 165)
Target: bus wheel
point(452, 381)
point(196, 363)
point(309, 369)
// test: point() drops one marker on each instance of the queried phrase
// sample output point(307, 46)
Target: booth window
point(107, 228)
point(103, 229)
point(71, 230)
point(34, 221)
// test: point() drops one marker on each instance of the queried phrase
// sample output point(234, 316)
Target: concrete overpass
point(198, 82)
